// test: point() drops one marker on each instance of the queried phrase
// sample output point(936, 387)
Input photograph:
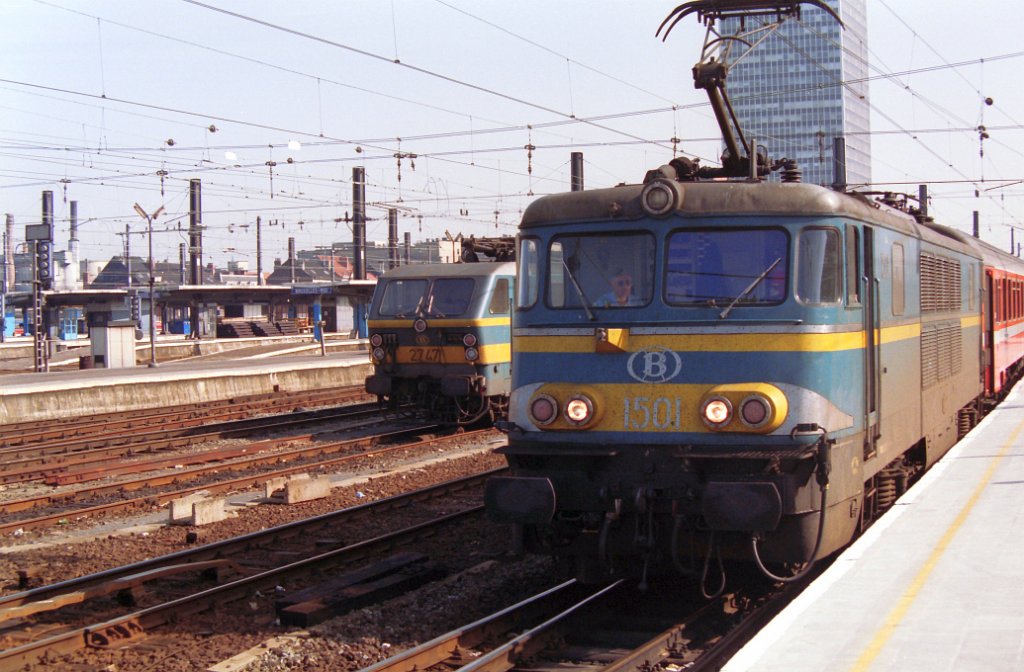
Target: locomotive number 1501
point(658, 413)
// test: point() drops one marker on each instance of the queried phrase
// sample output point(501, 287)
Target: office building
point(805, 85)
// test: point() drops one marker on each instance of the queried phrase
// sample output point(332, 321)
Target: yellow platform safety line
point(895, 617)
point(441, 322)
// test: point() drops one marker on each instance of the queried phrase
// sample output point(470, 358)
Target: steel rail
point(228, 548)
point(368, 444)
point(132, 440)
point(147, 620)
point(672, 648)
point(725, 648)
point(62, 470)
point(446, 646)
point(23, 433)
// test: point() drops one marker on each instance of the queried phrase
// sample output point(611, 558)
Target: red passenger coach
point(1003, 347)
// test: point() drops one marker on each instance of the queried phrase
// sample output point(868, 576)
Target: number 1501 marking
point(641, 413)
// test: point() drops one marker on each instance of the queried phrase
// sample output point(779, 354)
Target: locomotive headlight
point(760, 408)
point(376, 340)
point(469, 340)
point(378, 354)
point(755, 411)
point(660, 197)
point(579, 410)
point(419, 326)
point(472, 354)
point(716, 412)
point(543, 409)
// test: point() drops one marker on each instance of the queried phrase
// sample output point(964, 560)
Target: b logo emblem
point(654, 365)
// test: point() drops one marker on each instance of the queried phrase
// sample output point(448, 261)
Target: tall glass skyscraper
point(805, 85)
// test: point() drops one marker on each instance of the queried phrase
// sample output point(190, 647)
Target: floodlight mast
point(710, 74)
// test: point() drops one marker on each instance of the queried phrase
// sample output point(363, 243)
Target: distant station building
point(308, 288)
point(805, 85)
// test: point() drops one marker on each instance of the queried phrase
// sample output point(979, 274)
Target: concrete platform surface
point(42, 396)
point(937, 584)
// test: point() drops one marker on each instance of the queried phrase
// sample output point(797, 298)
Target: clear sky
point(93, 93)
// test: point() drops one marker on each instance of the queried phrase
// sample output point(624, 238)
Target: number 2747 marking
point(641, 413)
point(425, 355)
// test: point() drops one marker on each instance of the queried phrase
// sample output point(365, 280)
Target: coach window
point(898, 288)
point(997, 289)
point(499, 299)
point(526, 294)
point(819, 265)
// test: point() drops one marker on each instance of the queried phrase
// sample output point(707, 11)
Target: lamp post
point(152, 281)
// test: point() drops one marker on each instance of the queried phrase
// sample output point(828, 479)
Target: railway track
point(311, 548)
point(315, 456)
point(612, 628)
point(185, 415)
point(89, 459)
point(24, 439)
point(182, 416)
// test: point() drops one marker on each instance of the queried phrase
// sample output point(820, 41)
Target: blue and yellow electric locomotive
point(708, 365)
point(440, 340)
point(728, 368)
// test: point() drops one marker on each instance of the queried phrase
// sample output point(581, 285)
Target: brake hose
point(823, 459)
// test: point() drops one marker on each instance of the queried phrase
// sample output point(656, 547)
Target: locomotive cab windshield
point(422, 297)
point(717, 265)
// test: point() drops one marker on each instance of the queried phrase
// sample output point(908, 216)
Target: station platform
point(58, 394)
point(16, 353)
point(936, 584)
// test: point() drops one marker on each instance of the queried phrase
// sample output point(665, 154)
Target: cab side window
point(499, 298)
point(819, 266)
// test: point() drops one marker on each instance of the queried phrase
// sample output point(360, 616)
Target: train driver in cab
point(621, 294)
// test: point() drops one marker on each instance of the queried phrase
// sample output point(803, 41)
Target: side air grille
point(941, 352)
point(940, 284)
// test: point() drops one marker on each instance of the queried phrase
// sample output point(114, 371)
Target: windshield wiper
point(415, 311)
point(579, 290)
point(725, 313)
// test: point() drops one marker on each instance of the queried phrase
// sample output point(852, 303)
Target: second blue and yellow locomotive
point(440, 340)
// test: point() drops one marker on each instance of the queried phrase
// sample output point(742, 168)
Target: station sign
point(312, 290)
point(38, 232)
